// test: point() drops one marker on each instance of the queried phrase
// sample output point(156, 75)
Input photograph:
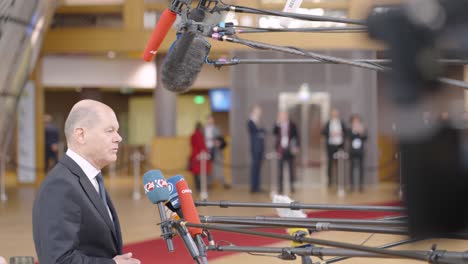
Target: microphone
point(182, 65)
point(166, 21)
point(157, 192)
point(188, 207)
point(174, 204)
point(191, 215)
point(185, 60)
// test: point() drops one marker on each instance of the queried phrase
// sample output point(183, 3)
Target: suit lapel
point(116, 224)
point(91, 193)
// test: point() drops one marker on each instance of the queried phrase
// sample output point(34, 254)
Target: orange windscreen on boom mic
point(188, 207)
point(160, 31)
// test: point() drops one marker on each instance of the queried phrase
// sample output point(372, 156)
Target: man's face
point(335, 114)
point(283, 116)
point(209, 120)
point(102, 139)
point(257, 111)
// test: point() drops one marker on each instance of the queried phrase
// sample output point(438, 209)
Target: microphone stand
point(290, 252)
point(317, 227)
point(299, 206)
point(382, 222)
point(237, 61)
point(201, 247)
point(249, 10)
point(300, 239)
point(189, 243)
point(166, 229)
point(297, 51)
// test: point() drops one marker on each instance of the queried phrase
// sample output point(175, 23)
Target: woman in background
point(197, 142)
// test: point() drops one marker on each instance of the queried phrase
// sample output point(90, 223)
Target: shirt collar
point(87, 168)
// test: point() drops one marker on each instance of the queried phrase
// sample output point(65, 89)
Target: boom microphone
point(157, 192)
point(191, 215)
point(183, 64)
point(165, 23)
point(186, 58)
point(188, 207)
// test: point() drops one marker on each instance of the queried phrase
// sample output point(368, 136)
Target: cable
point(367, 239)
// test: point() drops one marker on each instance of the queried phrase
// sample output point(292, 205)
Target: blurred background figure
point(257, 147)
point(334, 132)
point(427, 118)
point(2, 260)
point(287, 145)
point(197, 141)
point(51, 142)
point(357, 138)
point(444, 116)
point(213, 141)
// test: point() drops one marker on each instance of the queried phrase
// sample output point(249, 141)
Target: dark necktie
point(102, 190)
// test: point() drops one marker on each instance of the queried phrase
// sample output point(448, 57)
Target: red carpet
point(152, 251)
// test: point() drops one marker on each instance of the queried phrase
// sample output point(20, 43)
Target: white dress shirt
point(209, 136)
point(90, 171)
point(284, 134)
point(336, 132)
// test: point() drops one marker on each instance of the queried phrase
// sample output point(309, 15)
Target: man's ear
point(79, 134)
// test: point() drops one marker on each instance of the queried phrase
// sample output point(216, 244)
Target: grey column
point(165, 106)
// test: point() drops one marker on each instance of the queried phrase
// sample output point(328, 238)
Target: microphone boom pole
point(316, 227)
point(324, 58)
point(244, 9)
point(405, 254)
point(320, 251)
point(298, 206)
point(215, 219)
point(237, 61)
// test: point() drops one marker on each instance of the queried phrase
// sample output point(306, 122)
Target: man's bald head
point(84, 114)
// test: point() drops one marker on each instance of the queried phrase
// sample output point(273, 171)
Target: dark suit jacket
point(257, 140)
point(71, 224)
point(51, 136)
point(293, 139)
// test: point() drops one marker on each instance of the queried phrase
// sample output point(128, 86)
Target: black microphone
point(157, 192)
point(185, 59)
point(184, 62)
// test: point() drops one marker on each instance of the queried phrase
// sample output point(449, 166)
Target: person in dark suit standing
point(257, 147)
point(357, 138)
point(287, 146)
point(74, 220)
point(334, 132)
point(51, 142)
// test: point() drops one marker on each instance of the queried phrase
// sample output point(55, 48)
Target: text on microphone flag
point(161, 183)
point(149, 187)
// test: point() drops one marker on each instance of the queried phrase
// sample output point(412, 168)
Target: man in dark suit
point(74, 220)
point(287, 145)
point(334, 132)
point(257, 147)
